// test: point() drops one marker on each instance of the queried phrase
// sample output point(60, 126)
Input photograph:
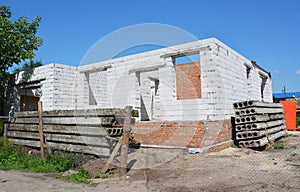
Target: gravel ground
point(233, 169)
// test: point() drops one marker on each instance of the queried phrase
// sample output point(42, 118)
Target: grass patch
point(279, 145)
point(16, 158)
point(85, 177)
point(82, 177)
point(292, 135)
point(103, 176)
point(234, 146)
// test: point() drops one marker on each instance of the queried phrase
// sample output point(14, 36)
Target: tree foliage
point(18, 42)
point(28, 66)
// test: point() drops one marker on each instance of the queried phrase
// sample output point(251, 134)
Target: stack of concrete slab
point(84, 131)
point(258, 123)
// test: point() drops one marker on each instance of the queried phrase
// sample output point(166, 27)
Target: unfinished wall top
point(148, 81)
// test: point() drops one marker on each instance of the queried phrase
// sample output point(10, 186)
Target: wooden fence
point(87, 131)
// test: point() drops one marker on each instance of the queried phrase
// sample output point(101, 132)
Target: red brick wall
point(188, 81)
point(193, 134)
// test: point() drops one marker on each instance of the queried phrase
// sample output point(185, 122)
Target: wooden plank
point(100, 151)
point(41, 134)
point(62, 129)
point(125, 140)
point(75, 139)
point(112, 156)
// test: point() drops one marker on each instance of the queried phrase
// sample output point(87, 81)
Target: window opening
point(188, 77)
point(263, 85)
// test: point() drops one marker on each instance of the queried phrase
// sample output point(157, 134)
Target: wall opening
point(149, 95)
point(149, 99)
point(248, 71)
point(29, 103)
point(29, 95)
point(92, 99)
point(262, 87)
point(154, 97)
point(97, 84)
point(183, 59)
point(188, 77)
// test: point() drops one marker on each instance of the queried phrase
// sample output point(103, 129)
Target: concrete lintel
point(94, 69)
point(185, 52)
point(29, 84)
point(248, 65)
point(146, 69)
point(263, 74)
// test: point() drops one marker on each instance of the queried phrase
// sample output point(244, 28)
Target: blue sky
point(267, 31)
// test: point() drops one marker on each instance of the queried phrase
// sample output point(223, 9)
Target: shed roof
point(286, 95)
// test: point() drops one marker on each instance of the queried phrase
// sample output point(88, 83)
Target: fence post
point(40, 112)
point(5, 126)
point(125, 140)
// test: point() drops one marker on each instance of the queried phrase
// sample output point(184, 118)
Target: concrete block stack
point(258, 123)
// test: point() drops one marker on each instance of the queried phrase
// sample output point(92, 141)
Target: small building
point(180, 104)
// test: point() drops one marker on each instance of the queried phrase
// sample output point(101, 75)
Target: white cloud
point(276, 71)
point(298, 71)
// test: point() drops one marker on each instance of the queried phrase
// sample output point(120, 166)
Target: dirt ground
point(232, 169)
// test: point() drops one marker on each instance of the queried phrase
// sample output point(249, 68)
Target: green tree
point(28, 66)
point(18, 43)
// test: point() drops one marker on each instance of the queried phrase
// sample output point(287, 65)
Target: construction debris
point(258, 123)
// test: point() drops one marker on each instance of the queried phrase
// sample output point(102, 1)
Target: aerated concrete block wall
point(57, 85)
point(147, 81)
point(64, 85)
point(187, 105)
point(225, 74)
point(44, 75)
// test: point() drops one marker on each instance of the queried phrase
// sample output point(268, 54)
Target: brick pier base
point(215, 135)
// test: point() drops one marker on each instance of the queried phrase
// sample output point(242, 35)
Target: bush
point(1, 128)
point(297, 121)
